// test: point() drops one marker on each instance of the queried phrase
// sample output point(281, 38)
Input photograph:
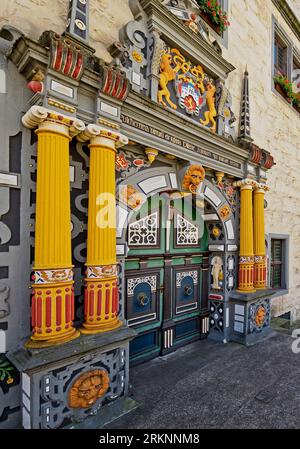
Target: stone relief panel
point(132, 53)
point(4, 298)
point(259, 316)
point(77, 390)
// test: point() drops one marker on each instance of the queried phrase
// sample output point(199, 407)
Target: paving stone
point(212, 385)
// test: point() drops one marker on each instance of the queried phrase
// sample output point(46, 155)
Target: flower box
point(280, 89)
point(297, 108)
point(207, 18)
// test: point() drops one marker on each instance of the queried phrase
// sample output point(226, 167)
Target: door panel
point(187, 291)
point(163, 273)
point(143, 298)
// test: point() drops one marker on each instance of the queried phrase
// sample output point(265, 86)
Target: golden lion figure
point(167, 74)
point(211, 113)
point(193, 177)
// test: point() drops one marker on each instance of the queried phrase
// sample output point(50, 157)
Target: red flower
point(214, 13)
point(209, 4)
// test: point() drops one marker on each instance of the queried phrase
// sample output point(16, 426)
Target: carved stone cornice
point(161, 19)
point(174, 124)
point(66, 57)
point(27, 55)
point(288, 15)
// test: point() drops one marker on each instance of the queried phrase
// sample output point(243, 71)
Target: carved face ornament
point(260, 316)
point(193, 178)
point(88, 388)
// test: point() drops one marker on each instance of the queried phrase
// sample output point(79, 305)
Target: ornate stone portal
point(154, 129)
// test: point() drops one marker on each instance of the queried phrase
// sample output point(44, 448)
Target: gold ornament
point(216, 231)
point(137, 56)
point(152, 154)
point(193, 177)
point(211, 113)
point(88, 389)
point(260, 316)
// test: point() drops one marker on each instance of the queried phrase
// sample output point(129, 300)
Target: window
point(280, 56)
point(214, 13)
point(278, 262)
point(285, 67)
point(296, 73)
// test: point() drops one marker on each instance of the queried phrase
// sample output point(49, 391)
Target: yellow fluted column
point(53, 292)
point(101, 302)
point(260, 267)
point(246, 263)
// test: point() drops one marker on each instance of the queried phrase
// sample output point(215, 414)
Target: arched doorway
point(164, 312)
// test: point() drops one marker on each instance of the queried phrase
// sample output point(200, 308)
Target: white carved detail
point(184, 274)
point(144, 232)
point(187, 233)
point(132, 283)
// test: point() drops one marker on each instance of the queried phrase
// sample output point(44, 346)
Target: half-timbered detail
point(137, 205)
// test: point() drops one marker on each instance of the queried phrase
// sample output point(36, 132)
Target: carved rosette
point(224, 212)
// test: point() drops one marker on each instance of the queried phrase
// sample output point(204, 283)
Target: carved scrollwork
point(144, 232)
point(4, 296)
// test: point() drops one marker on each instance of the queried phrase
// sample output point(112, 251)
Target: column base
point(35, 343)
point(246, 290)
point(90, 329)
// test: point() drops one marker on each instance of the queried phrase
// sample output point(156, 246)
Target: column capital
point(98, 135)
point(261, 188)
point(245, 183)
point(251, 184)
point(48, 120)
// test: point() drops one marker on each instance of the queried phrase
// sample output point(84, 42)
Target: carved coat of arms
point(189, 95)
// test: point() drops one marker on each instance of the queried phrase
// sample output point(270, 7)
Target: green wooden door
point(167, 239)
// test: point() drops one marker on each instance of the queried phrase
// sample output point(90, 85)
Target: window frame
point(221, 39)
point(277, 38)
point(285, 239)
point(292, 53)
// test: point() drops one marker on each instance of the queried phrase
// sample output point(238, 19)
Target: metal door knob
point(143, 299)
point(187, 290)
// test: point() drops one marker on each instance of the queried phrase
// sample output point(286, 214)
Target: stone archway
point(153, 181)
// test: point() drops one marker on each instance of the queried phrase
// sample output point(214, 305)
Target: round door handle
point(187, 290)
point(143, 299)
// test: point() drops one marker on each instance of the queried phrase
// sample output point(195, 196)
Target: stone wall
point(274, 122)
point(33, 17)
